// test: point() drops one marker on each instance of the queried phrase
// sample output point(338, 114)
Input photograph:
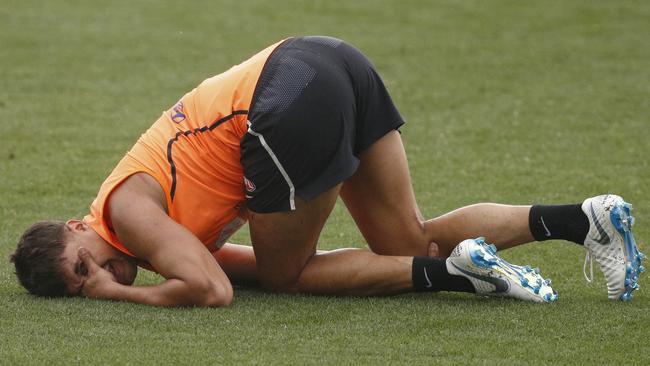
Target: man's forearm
point(172, 292)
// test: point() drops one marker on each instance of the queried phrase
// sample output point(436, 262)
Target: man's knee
point(281, 279)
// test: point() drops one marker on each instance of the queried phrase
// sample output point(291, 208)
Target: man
point(275, 140)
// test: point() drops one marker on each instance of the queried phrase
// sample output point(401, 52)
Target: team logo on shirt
point(177, 114)
point(250, 186)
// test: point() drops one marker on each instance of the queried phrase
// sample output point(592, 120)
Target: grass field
point(506, 101)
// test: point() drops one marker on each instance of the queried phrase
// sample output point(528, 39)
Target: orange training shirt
point(193, 152)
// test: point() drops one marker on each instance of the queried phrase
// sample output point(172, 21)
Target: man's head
point(47, 258)
point(38, 259)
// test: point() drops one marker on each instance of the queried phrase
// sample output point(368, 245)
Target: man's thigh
point(380, 198)
point(285, 241)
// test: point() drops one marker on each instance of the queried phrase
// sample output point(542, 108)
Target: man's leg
point(285, 248)
point(381, 200)
point(287, 261)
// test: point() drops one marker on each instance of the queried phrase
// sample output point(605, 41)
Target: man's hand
point(434, 250)
point(98, 283)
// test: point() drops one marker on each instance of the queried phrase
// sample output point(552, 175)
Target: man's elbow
point(217, 295)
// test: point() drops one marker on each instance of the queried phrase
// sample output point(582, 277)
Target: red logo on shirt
point(177, 114)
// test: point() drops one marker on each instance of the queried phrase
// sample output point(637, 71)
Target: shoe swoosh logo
point(500, 286)
point(604, 238)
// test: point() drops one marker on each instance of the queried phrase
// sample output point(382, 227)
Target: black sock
point(566, 222)
point(430, 274)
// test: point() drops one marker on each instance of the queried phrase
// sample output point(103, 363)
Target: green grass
point(507, 101)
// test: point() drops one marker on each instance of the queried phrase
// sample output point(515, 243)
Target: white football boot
point(493, 276)
point(611, 243)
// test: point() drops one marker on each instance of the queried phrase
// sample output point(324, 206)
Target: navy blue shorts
point(318, 104)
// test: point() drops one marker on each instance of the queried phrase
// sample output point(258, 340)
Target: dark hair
point(38, 259)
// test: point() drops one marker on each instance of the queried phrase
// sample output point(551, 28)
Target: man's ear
point(76, 225)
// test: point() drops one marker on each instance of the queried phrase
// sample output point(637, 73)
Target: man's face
point(78, 234)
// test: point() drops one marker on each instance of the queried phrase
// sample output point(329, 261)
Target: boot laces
point(588, 258)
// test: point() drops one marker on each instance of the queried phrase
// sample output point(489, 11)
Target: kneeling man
point(275, 141)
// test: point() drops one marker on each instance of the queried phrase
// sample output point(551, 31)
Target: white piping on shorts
point(292, 189)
